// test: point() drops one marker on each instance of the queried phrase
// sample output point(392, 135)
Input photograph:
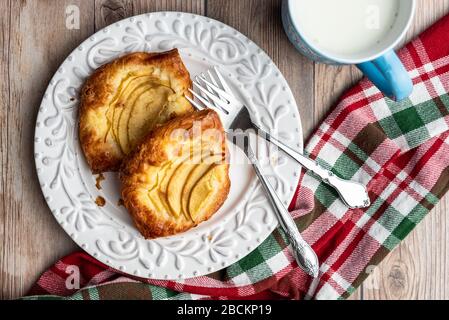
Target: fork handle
point(302, 251)
point(352, 193)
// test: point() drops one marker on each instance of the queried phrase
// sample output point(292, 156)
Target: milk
point(345, 27)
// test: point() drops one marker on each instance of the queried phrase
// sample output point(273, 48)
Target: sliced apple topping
point(184, 186)
point(194, 176)
point(138, 105)
point(203, 191)
point(175, 187)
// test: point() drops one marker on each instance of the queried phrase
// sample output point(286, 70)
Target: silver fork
point(235, 115)
point(302, 252)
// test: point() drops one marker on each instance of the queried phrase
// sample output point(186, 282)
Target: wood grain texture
point(5, 234)
point(31, 238)
point(110, 11)
point(193, 6)
point(32, 49)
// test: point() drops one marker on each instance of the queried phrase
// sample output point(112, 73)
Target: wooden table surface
point(35, 41)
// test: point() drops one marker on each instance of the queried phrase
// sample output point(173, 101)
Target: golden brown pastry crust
point(102, 151)
point(156, 150)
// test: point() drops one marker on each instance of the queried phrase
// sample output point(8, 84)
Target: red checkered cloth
point(400, 151)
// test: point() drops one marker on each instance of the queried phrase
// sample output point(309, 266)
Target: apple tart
point(125, 99)
point(178, 176)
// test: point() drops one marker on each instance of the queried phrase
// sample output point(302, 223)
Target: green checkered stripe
point(133, 290)
point(261, 263)
point(415, 123)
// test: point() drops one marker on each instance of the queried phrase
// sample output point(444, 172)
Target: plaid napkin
point(399, 150)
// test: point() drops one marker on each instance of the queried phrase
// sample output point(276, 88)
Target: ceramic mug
point(379, 63)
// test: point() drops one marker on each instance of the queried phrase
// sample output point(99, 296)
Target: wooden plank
point(5, 6)
point(31, 238)
point(110, 11)
point(418, 268)
point(193, 6)
point(330, 83)
point(264, 27)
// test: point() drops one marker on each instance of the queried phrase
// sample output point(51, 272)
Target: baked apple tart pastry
point(125, 99)
point(173, 161)
point(178, 176)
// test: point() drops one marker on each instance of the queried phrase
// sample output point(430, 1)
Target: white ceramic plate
point(108, 233)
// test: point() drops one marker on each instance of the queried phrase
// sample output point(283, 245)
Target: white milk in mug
point(361, 32)
point(346, 27)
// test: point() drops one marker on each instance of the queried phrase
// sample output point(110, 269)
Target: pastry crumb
point(100, 178)
point(120, 202)
point(100, 201)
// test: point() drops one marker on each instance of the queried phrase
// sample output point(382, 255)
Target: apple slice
point(195, 175)
point(157, 199)
point(125, 114)
point(164, 183)
point(146, 111)
point(176, 186)
point(204, 191)
point(117, 105)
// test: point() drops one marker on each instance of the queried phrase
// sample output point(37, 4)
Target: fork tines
point(214, 91)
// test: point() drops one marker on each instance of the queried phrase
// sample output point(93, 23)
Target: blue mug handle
point(389, 75)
